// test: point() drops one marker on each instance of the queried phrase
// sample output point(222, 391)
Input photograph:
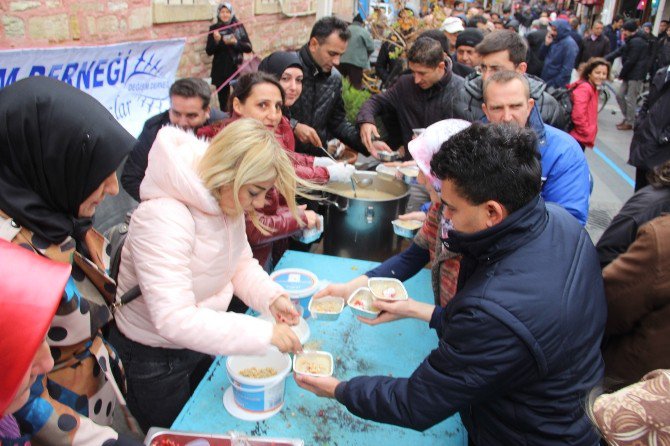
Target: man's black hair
point(498, 162)
point(326, 26)
point(472, 23)
point(426, 51)
point(439, 36)
point(192, 87)
point(501, 40)
point(617, 18)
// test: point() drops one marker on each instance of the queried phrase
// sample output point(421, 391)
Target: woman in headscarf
point(59, 151)
point(227, 41)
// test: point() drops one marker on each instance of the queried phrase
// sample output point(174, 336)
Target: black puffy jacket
point(321, 107)
point(636, 56)
point(650, 145)
point(469, 101)
point(519, 347)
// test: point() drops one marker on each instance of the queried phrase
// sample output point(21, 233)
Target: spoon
point(353, 185)
point(328, 153)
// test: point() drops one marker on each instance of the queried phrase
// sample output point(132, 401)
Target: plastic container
point(385, 288)
point(310, 235)
point(301, 330)
point(326, 315)
point(409, 174)
point(406, 228)
point(361, 303)
point(299, 283)
point(386, 170)
point(323, 360)
point(387, 157)
point(259, 394)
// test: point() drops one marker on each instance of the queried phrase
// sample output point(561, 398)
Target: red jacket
point(584, 112)
point(275, 215)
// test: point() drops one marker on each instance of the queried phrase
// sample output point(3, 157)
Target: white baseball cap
point(452, 25)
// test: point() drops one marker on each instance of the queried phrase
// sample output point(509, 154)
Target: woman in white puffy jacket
point(187, 249)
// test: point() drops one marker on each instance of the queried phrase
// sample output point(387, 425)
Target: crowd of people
point(533, 321)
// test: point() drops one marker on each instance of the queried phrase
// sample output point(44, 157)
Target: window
point(173, 11)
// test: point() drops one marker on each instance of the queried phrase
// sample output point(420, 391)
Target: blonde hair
point(246, 152)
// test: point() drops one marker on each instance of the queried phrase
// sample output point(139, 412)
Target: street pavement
point(613, 178)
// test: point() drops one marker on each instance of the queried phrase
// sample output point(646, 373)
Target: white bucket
point(259, 394)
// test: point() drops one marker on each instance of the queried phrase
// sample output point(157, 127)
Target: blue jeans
point(159, 380)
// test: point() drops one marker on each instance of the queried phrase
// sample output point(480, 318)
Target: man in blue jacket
point(519, 344)
point(559, 52)
point(565, 172)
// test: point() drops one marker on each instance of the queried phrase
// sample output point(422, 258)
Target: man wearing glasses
point(189, 110)
point(505, 51)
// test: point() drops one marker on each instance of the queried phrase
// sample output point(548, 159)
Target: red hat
point(31, 287)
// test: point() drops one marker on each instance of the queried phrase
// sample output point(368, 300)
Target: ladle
point(353, 185)
point(365, 182)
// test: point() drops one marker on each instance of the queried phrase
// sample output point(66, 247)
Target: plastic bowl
point(406, 228)
point(379, 287)
point(386, 171)
point(326, 315)
point(409, 174)
point(387, 157)
point(361, 301)
point(309, 235)
point(323, 360)
point(299, 283)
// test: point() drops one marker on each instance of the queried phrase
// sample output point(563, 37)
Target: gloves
point(340, 172)
point(323, 161)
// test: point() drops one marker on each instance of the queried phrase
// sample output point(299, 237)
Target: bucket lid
point(297, 282)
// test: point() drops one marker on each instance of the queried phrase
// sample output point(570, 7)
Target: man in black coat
point(636, 59)
point(613, 32)
point(418, 99)
point(519, 343)
point(650, 146)
point(189, 109)
point(319, 114)
point(596, 45)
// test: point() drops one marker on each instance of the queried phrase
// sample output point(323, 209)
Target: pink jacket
point(584, 112)
point(189, 258)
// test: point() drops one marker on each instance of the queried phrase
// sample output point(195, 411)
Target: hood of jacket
point(310, 64)
point(474, 85)
point(172, 171)
point(562, 29)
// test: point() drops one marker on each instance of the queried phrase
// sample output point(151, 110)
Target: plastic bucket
point(259, 394)
point(299, 283)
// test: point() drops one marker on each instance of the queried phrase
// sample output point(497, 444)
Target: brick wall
point(50, 23)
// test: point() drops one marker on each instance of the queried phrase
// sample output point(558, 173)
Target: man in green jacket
point(357, 57)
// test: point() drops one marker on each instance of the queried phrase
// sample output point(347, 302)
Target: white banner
point(131, 79)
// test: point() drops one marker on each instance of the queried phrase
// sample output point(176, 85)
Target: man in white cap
point(451, 27)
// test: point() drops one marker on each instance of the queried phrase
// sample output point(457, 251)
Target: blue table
point(390, 349)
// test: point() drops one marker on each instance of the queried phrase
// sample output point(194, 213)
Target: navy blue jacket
point(559, 57)
point(519, 346)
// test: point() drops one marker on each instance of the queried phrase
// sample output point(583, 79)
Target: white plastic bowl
point(365, 295)
point(319, 357)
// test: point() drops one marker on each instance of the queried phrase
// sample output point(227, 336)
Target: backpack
point(117, 237)
point(563, 96)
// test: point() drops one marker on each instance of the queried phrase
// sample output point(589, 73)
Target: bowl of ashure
point(388, 289)
point(409, 174)
point(257, 382)
point(361, 303)
point(406, 228)
point(313, 363)
point(327, 308)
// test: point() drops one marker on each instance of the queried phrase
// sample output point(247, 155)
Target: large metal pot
point(361, 227)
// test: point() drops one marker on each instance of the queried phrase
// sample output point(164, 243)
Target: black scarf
point(57, 145)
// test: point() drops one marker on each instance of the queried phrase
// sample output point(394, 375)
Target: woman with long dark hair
point(227, 41)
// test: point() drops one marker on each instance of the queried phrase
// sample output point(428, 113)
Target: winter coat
point(136, 163)
point(559, 57)
point(387, 69)
point(470, 98)
point(614, 37)
point(189, 258)
point(593, 48)
point(584, 112)
point(227, 58)
point(636, 56)
point(645, 205)
point(359, 48)
point(321, 107)
point(78, 346)
point(650, 145)
point(414, 106)
point(662, 52)
point(637, 286)
point(519, 344)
